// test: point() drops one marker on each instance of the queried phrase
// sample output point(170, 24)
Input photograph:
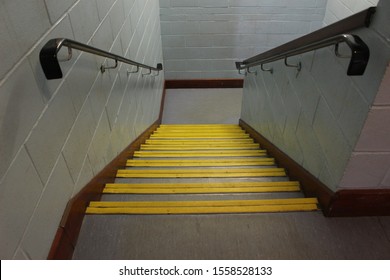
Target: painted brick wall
point(339, 9)
point(56, 135)
point(369, 165)
point(317, 116)
point(204, 39)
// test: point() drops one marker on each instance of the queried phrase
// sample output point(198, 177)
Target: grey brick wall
point(203, 39)
point(334, 125)
point(339, 9)
point(56, 135)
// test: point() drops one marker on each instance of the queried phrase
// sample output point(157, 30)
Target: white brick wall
point(56, 135)
point(333, 125)
point(339, 9)
point(203, 39)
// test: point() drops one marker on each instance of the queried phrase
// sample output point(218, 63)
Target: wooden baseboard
point(205, 83)
point(355, 202)
point(343, 203)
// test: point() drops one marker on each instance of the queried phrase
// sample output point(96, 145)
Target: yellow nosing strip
point(199, 141)
point(230, 187)
point(200, 163)
point(208, 136)
point(202, 210)
point(199, 125)
point(204, 203)
point(201, 135)
point(200, 131)
point(201, 145)
point(202, 175)
point(203, 207)
point(241, 153)
point(205, 190)
point(146, 147)
point(200, 170)
point(186, 129)
point(205, 185)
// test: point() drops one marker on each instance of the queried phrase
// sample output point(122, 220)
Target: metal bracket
point(254, 72)
point(147, 74)
point(271, 70)
point(69, 56)
point(338, 54)
point(132, 72)
point(298, 66)
point(158, 73)
point(243, 74)
point(104, 68)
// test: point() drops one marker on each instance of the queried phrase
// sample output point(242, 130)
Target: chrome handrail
point(50, 63)
point(331, 35)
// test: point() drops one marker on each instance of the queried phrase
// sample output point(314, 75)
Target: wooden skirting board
point(343, 203)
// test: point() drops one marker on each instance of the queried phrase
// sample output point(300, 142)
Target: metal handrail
point(357, 65)
point(331, 35)
point(50, 63)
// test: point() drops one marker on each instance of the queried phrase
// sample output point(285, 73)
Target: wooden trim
point(164, 93)
point(205, 83)
point(61, 248)
point(343, 203)
point(355, 202)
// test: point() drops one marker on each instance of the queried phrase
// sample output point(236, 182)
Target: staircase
point(201, 169)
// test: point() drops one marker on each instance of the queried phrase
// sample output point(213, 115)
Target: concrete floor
point(304, 235)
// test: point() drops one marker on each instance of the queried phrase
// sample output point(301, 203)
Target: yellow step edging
point(153, 147)
point(221, 187)
point(202, 173)
point(200, 136)
point(200, 163)
point(199, 141)
point(199, 188)
point(240, 153)
point(204, 207)
point(204, 185)
point(199, 125)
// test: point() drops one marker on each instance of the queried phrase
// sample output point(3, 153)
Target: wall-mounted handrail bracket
point(251, 72)
point(132, 72)
point(338, 54)
point(271, 70)
point(103, 68)
point(69, 56)
point(159, 68)
point(298, 66)
point(243, 74)
point(240, 68)
point(147, 73)
point(50, 63)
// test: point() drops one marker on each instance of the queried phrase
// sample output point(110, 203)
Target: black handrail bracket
point(49, 60)
point(48, 57)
